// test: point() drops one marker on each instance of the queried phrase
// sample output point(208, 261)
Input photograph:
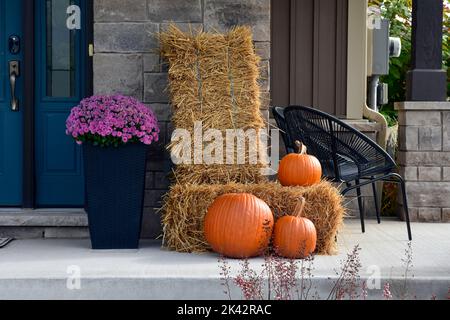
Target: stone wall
point(424, 158)
point(127, 61)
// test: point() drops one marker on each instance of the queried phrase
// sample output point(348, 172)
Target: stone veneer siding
point(424, 159)
point(127, 61)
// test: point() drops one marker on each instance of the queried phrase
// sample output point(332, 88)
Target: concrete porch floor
point(39, 269)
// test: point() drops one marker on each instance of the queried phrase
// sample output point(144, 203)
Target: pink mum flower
point(112, 121)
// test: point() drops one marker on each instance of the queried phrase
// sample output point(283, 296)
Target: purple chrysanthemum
point(112, 121)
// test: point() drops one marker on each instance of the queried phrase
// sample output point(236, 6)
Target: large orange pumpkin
point(238, 225)
point(295, 237)
point(299, 169)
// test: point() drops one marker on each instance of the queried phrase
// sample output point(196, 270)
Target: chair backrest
point(278, 114)
point(334, 142)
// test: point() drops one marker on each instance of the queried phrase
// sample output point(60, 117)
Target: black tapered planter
point(115, 179)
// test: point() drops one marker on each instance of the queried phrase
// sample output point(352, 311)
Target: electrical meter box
point(381, 52)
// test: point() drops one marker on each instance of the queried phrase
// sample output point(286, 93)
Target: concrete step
point(62, 223)
point(49, 268)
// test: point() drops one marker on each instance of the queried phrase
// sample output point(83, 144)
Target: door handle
point(14, 72)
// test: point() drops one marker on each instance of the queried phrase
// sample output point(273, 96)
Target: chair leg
point(405, 207)
point(375, 196)
point(360, 205)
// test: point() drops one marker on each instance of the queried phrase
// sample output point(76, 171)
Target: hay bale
point(186, 205)
point(217, 174)
point(213, 78)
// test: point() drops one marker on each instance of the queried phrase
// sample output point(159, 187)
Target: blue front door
point(11, 115)
point(60, 77)
point(61, 64)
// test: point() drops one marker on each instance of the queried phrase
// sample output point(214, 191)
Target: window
point(60, 51)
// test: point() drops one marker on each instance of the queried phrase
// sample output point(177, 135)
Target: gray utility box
point(381, 52)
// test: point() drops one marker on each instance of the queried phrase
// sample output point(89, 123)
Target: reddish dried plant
point(364, 291)
point(401, 292)
point(281, 277)
point(250, 283)
point(408, 264)
point(348, 281)
point(306, 279)
point(285, 279)
point(225, 277)
point(278, 278)
point(387, 295)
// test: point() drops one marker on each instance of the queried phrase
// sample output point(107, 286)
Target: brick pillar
point(424, 158)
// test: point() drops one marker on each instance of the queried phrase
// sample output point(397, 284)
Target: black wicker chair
point(278, 114)
point(346, 155)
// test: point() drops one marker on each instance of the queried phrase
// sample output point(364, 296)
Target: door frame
point(29, 170)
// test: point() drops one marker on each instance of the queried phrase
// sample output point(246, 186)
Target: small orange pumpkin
point(295, 237)
point(299, 169)
point(238, 225)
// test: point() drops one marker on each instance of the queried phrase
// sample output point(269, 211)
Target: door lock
point(14, 44)
point(14, 73)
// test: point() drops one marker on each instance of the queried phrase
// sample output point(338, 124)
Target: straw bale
point(185, 207)
point(213, 78)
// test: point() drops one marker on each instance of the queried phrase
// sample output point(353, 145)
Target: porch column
point(427, 80)
point(424, 120)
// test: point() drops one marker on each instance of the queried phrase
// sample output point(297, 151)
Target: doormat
point(4, 242)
